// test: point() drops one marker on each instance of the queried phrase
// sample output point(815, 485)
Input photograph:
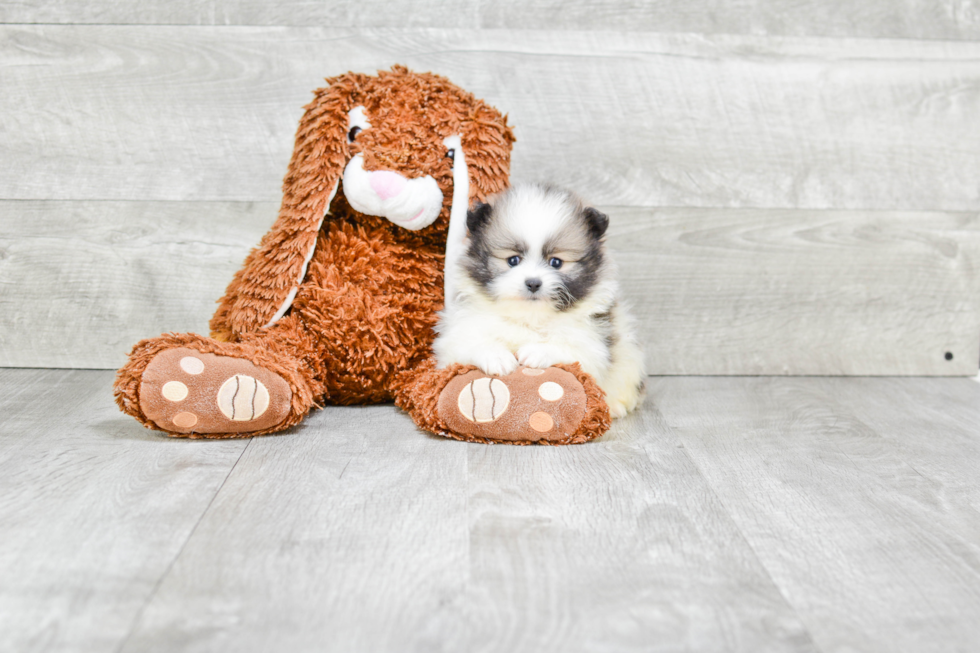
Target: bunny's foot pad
point(528, 405)
point(186, 391)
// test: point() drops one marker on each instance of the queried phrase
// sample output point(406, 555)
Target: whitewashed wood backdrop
point(794, 187)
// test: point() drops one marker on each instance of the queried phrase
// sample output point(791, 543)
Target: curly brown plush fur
point(411, 114)
point(363, 313)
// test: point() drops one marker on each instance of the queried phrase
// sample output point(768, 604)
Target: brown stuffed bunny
point(338, 302)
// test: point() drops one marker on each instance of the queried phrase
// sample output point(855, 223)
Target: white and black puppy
point(535, 287)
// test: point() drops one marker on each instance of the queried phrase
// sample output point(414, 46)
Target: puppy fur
point(536, 288)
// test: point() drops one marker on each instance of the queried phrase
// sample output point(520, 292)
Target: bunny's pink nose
point(387, 184)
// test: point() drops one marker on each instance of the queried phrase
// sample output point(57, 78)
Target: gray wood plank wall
point(715, 291)
point(208, 113)
point(825, 189)
point(914, 19)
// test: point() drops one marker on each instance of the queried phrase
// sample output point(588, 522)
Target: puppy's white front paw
point(495, 362)
point(617, 409)
point(540, 355)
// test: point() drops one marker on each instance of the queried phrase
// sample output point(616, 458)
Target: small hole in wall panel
point(949, 355)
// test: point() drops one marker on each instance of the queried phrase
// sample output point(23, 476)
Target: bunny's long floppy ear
point(487, 140)
point(263, 289)
point(481, 168)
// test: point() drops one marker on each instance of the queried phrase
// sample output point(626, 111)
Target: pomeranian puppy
point(534, 286)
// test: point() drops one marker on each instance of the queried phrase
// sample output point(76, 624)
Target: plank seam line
point(706, 208)
point(534, 30)
point(166, 572)
point(741, 534)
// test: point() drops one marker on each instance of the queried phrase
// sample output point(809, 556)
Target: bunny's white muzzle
point(410, 203)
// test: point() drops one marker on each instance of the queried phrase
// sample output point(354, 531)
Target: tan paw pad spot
point(541, 422)
point(242, 398)
point(483, 400)
point(530, 371)
point(192, 364)
point(184, 420)
point(174, 391)
point(550, 391)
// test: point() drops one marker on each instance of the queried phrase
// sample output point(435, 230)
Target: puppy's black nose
point(533, 284)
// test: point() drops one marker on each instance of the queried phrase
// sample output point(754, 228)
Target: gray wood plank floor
point(92, 510)
point(728, 514)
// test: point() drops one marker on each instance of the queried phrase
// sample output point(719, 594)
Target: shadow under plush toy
point(338, 302)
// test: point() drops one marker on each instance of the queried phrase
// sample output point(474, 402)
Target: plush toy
point(338, 302)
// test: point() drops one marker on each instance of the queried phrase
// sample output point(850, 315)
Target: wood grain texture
point(361, 534)
point(923, 19)
point(347, 534)
point(93, 509)
point(84, 281)
point(178, 113)
point(944, 407)
point(613, 546)
point(868, 545)
point(917, 19)
point(802, 292)
point(714, 291)
point(728, 514)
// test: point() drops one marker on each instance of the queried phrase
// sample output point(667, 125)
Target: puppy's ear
point(597, 220)
point(478, 217)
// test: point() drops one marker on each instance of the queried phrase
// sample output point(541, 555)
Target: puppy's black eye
point(451, 155)
point(352, 134)
point(555, 262)
point(513, 261)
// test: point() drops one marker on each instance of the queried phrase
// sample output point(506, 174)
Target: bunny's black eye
point(352, 134)
point(555, 262)
point(513, 261)
point(451, 155)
